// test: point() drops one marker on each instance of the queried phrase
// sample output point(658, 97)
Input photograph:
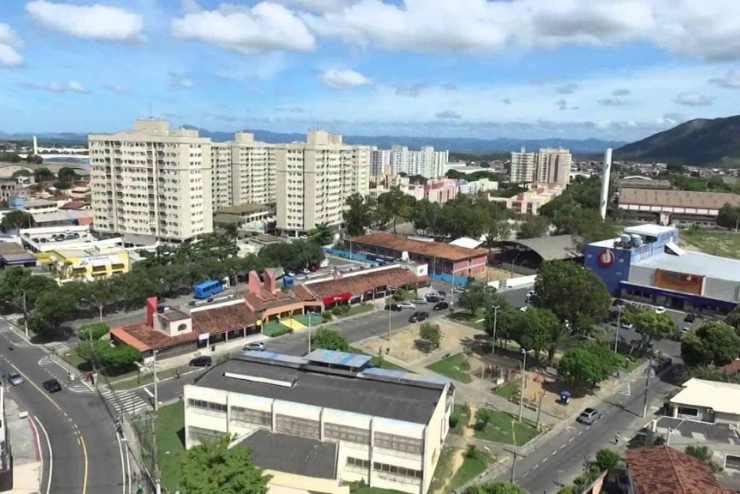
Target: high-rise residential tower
point(243, 172)
point(553, 166)
point(522, 167)
point(314, 179)
point(152, 181)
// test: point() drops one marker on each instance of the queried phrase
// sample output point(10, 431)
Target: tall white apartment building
point(314, 179)
point(152, 181)
point(522, 167)
point(380, 162)
point(425, 162)
point(547, 166)
point(243, 172)
point(553, 166)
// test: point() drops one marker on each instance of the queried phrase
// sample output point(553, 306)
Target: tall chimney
point(605, 182)
point(35, 145)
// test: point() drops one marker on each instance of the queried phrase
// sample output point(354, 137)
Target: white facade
point(547, 166)
point(522, 167)
point(399, 159)
point(152, 181)
point(314, 179)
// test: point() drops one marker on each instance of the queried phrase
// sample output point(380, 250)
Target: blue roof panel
point(331, 357)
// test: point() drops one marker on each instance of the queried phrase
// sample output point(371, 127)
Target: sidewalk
point(24, 443)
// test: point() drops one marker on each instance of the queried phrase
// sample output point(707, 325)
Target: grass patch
point(455, 367)
point(504, 428)
point(358, 309)
point(475, 463)
point(170, 445)
point(459, 419)
point(510, 391)
point(443, 471)
point(316, 319)
point(275, 328)
point(725, 244)
point(364, 489)
point(380, 362)
point(74, 360)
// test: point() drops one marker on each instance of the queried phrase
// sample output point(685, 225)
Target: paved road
point(561, 458)
point(86, 457)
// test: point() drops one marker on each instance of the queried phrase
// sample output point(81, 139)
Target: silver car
point(15, 379)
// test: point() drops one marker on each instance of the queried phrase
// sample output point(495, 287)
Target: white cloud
point(562, 104)
point(180, 81)
point(317, 5)
point(343, 79)
point(690, 98)
point(569, 88)
point(116, 88)
point(412, 91)
point(448, 115)
point(58, 87)
point(707, 30)
point(263, 28)
point(9, 43)
point(96, 21)
point(613, 101)
point(621, 92)
point(731, 80)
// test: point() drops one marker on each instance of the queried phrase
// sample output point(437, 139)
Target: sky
point(576, 69)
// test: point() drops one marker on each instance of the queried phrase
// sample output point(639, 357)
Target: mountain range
point(456, 144)
point(698, 142)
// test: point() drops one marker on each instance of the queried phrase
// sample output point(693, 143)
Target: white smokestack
point(605, 182)
point(35, 146)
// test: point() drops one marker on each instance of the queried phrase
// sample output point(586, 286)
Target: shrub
point(431, 333)
point(93, 331)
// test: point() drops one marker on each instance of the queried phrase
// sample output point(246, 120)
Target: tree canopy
point(16, 219)
point(495, 488)
point(650, 324)
point(715, 343)
point(359, 214)
point(533, 227)
point(329, 339)
point(43, 174)
point(588, 364)
point(214, 468)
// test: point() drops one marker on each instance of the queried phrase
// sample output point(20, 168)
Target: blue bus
point(207, 289)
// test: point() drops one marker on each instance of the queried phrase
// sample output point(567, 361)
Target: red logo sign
point(606, 258)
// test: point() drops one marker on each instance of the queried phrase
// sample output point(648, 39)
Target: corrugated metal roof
point(678, 198)
point(696, 263)
point(552, 248)
point(331, 357)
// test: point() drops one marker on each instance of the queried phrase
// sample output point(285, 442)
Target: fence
point(452, 279)
point(352, 256)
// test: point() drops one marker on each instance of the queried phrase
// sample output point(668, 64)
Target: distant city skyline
point(520, 69)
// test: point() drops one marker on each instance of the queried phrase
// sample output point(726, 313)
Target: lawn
point(510, 391)
point(275, 328)
point(476, 321)
point(379, 361)
point(358, 309)
point(316, 319)
point(170, 446)
point(455, 367)
point(473, 465)
point(504, 428)
point(372, 490)
point(443, 471)
point(725, 244)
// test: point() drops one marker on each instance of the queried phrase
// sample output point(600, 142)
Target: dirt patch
point(459, 456)
point(547, 387)
point(455, 337)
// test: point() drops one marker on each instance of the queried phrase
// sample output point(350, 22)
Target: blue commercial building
point(646, 264)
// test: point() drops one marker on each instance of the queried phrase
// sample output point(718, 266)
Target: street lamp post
point(619, 322)
point(495, 317)
point(25, 314)
point(524, 376)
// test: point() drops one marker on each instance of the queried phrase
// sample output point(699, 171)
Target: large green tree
point(394, 207)
point(533, 227)
point(651, 325)
point(43, 174)
point(477, 295)
point(538, 330)
point(16, 219)
point(588, 364)
point(572, 293)
point(359, 214)
point(714, 343)
point(214, 468)
point(322, 234)
point(495, 488)
point(729, 217)
point(329, 339)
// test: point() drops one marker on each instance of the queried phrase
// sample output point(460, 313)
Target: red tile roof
point(214, 320)
point(267, 300)
point(439, 250)
point(361, 283)
point(732, 368)
point(664, 470)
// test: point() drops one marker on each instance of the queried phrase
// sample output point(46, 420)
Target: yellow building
point(85, 264)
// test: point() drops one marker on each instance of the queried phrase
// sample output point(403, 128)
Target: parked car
point(257, 346)
point(393, 307)
point(52, 386)
point(419, 301)
point(441, 306)
point(432, 298)
point(418, 316)
point(588, 416)
point(203, 361)
point(406, 305)
point(690, 317)
point(14, 378)
point(441, 293)
point(660, 309)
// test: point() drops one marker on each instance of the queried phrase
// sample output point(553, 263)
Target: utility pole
point(156, 391)
point(524, 377)
point(647, 385)
point(495, 316)
point(539, 409)
point(619, 322)
point(513, 468)
point(390, 310)
point(309, 332)
point(25, 314)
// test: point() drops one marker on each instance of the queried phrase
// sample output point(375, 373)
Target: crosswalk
point(125, 402)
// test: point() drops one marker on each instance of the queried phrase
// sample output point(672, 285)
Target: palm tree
point(322, 234)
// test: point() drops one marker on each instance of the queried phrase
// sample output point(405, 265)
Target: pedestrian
point(617, 438)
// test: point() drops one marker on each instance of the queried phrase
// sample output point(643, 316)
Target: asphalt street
point(558, 461)
point(85, 453)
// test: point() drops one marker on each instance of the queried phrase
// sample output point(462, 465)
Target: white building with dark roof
point(387, 427)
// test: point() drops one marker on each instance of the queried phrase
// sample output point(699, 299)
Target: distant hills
point(456, 144)
point(699, 142)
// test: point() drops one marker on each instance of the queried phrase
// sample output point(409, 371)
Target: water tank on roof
point(636, 240)
point(288, 281)
point(625, 240)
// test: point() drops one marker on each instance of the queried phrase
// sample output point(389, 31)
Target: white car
point(660, 309)
point(406, 305)
point(256, 346)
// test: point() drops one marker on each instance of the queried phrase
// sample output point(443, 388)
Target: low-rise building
point(721, 438)
point(530, 201)
point(13, 254)
point(384, 428)
point(675, 207)
point(664, 470)
point(707, 401)
point(645, 264)
point(251, 217)
point(442, 258)
point(67, 265)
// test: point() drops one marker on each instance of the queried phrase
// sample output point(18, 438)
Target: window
point(688, 411)
point(182, 327)
point(397, 443)
point(346, 433)
point(295, 426)
point(250, 416)
point(358, 463)
point(207, 405)
point(396, 471)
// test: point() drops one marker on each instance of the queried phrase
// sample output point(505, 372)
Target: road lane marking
point(84, 454)
point(123, 469)
point(51, 455)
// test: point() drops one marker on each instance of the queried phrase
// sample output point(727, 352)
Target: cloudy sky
point(617, 69)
